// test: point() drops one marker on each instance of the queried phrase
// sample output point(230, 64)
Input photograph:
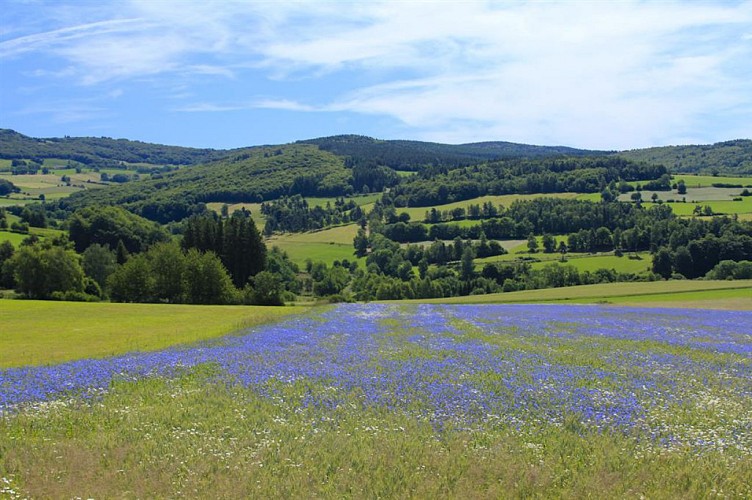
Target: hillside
point(101, 151)
point(415, 155)
point(730, 157)
point(251, 176)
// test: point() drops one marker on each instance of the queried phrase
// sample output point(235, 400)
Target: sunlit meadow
point(384, 400)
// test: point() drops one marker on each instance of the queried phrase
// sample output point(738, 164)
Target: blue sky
point(605, 75)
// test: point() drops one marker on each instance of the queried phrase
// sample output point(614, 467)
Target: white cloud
point(597, 74)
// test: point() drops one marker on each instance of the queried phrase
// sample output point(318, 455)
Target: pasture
point(592, 262)
point(51, 186)
point(381, 400)
point(327, 245)
point(418, 213)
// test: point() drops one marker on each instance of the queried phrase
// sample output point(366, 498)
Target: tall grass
point(400, 401)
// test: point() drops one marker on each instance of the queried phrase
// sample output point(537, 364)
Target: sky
point(608, 75)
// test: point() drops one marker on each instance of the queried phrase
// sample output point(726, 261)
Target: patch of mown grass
point(300, 251)
point(588, 262)
point(14, 238)
point(47, 332)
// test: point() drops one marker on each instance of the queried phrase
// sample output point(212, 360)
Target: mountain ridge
point(729, 157)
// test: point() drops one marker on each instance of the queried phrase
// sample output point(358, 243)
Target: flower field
point(400, 400)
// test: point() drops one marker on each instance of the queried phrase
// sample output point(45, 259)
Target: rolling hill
point(730, 157)
point(252, 175)
point(415, 155)
point(101, 151)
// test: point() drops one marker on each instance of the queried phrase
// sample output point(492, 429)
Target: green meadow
point(419, 213)
point(587, 262)
point(14, 238)
point(699, 181)
point(327, 245)
point(42, 332)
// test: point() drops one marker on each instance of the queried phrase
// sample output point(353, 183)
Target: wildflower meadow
point(395, 400)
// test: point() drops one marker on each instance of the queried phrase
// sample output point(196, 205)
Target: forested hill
point(251, 175)
point(416, 155)
point(101, 151)
point(730, 157)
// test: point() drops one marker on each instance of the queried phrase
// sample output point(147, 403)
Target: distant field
point(42, 332)
point(300, 251)
point(340, 234)
point(327, 245)
point(418, 213)
point(582, 261)
point(359, 200)
point(50, 184)
point(710, 294)
point(586, 262)
point(260, 220)
point(708, 180)
point(11, 202)
point(14, 238)
point(692, 195)
point(728, 207)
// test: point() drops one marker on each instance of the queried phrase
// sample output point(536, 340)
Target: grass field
point(16, 200)
point(14, 238)
point(698, 181)
point(727, 207)
point(300, 251)
point(17, 238)
point(260, 220)
point(40, 332)
point(400, 401)
point(328, 245)
point(587, 262)
point(710, 294)
point(418, 213)
point(50, 184)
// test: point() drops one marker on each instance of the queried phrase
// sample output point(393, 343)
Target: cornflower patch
point(668, 378)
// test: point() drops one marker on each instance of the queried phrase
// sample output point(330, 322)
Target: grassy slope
point(708, 180)
point(40, 332)
point(587, 262)
point(711, 294)
point(327, 245)
point(418, 213)
point(17, 238)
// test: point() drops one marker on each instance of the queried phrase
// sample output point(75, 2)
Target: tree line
point(112, 254)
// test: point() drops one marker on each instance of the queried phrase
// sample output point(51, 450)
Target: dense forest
point(415, 155)
point(101, 151)
point(729, 157)
point(436, 186)
point(254, 175)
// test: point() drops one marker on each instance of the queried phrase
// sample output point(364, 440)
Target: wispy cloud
point(65, 36)
point(598, 74)
point(66, 112)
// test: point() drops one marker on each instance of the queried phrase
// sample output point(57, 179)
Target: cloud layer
point(590, 74)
